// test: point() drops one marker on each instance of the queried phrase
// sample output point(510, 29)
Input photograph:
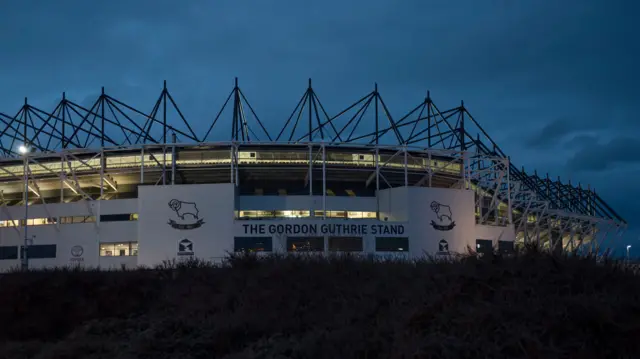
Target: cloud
point(607, 156)
point(579, 141)
point(551, 133)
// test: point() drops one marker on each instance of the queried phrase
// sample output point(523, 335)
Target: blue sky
point(555, 83)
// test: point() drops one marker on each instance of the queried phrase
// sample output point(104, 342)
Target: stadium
point(112, 186)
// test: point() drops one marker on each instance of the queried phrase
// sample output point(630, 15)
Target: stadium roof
point(111, 122)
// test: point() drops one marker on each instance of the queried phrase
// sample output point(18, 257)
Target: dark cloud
point(579, 141)
point(607, 156)
point(551, 133)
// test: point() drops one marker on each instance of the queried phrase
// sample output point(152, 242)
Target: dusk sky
point(555, 83)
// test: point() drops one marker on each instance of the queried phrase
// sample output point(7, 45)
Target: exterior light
point(23, 149)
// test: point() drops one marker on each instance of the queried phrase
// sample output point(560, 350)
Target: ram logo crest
point(185, 211)
point(444, 215)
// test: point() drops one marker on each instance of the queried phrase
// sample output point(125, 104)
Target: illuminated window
point(11, 223)
point(77, 219)
point(305, 244)
point(252, 244)
point(255, 214)
point(30, 222)
point(347, 214)
point(292, 214)
point(392, 244)
point(248, 214)
point(332, 214)
point(262, 214)
point(361, 215)
point(119, 249)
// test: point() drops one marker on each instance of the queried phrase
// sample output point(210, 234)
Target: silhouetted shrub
point(528, 304)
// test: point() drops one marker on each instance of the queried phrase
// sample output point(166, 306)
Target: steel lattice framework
point(110, 122)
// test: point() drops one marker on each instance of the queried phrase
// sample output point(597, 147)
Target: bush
point(527, 305)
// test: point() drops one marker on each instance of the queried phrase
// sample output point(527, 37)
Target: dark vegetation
point(530, 306)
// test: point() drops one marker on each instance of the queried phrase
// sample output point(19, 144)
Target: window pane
point(252, 244)
point(305, 244)
point(345, 244)
point(9, 252)
point(119, 249)
point(41, 251)
point(122, 249)
point(115, 217)
point(392, 244)
point(484, 246)
point(291, 214)
point(107, 249)
point(337, 214)
point(505, 247)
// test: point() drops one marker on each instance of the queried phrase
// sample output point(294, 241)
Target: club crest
point(187, 213)
point(443, 214)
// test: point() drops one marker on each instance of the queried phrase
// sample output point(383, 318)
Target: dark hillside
point(534, 306)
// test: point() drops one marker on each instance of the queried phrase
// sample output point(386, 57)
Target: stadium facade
point(112, 186)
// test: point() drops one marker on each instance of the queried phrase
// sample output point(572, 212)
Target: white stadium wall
point(441, 220)
point(184, 221)
point(76, 244)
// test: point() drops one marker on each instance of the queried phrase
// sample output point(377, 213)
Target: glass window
point(77, 219)
point(392, 244)
point(118, 217)
point(9, 252)
point(255, 214)
point(107, 250)
point(292, 214)
point(119, 249)
point(134, 248)
point(305, 244)
point(484, 246)
point(10, 223)
point(345, 244)
point(122, 249)
point(363, 215)
point(505, 247)
point(41, 251)
point(347, 214)
point(252, 244)
point(337, 214)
